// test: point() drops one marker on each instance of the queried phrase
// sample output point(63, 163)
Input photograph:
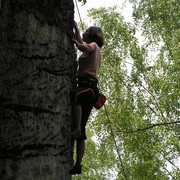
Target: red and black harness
point(91, 83)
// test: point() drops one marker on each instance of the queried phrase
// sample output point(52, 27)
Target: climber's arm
point(85, 47)
point(77, 33)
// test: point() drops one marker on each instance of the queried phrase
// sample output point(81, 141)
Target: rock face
point(36, 68)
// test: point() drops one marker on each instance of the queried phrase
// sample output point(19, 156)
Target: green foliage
point(142, 85)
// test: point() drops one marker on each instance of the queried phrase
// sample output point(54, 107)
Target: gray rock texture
point(36, 72)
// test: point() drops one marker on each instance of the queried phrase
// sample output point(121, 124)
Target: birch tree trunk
point(36, 66)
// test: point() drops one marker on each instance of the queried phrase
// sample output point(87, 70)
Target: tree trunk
point(36, 66)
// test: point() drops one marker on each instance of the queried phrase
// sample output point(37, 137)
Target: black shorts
point(85, 94)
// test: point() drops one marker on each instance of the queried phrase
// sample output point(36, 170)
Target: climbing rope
point(107, 115)
point(79, 15)
point(115, 143)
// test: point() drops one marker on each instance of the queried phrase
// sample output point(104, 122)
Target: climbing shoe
point(76, 134)
point(76, 170)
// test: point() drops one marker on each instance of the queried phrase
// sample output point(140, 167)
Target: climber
point(86, 92)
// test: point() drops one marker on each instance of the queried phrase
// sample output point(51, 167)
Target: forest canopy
point(140, 138)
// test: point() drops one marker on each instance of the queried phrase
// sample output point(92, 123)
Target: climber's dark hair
point(96, 34)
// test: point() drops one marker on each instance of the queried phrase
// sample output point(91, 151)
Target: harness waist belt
point(87, 79)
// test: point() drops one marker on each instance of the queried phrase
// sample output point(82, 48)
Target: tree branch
point(150, 127)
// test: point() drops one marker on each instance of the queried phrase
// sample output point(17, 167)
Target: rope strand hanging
point(79, 15)
point(113, 136)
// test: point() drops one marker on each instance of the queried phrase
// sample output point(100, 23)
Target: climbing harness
point(100, 101)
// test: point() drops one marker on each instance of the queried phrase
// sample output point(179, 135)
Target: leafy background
point(140, 138)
